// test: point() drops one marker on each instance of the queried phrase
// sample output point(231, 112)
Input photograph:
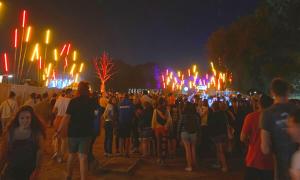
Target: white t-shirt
point(62, 104)
point(146, 98)
point(8, 108)
point(295, 166)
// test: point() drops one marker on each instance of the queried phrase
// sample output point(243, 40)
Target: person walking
point(8, 109)
point(79, 119)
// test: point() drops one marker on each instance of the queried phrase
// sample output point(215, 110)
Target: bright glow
point(76, 77)
point(69, 47)
point(24, 19)
point(49, 69)
point(63, 49)
point(66, 62)
point(5, 62)
point(55, 54)
point(185, 89)
point(16, 38)
point(40, 62)
point(72, 69)
point(28, 34)
point(194, 68)
point(35, 53)
point(47, 36)
point(189, 72)
point(81, 67)
point(74, 55)
point(178, 73)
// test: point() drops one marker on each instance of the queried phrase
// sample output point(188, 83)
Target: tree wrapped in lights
point(105, 69)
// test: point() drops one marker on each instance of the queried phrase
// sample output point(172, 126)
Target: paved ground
point(145, 168)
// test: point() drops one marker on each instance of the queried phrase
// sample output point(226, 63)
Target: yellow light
point(74, 56)
point(47, 36)
point(55, 54)
point(28, 34)
point(44, 77)
point(178, 73)
point(72, 69)
point(76, 77)
point(47, 82)
point(81, 67)
point(49, 69)
point(190, 83)
point(35, 53)
point(189, 72)
point(194, 68)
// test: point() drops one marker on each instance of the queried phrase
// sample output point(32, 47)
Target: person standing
point(32, 100)
point(188, 127)
point(79, 119)
point(126, 114)
point(273, 124)
point(258, 165)
point(43, 109)
point(8, 109)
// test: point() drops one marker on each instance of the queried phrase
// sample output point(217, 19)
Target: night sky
point(169, 32)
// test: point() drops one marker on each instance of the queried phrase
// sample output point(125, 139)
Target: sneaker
point(188, 169)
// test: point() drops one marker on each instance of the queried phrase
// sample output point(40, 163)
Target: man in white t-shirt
point(60, 108)
point(8, 109)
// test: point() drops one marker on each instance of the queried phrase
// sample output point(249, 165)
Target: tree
point(105, 69)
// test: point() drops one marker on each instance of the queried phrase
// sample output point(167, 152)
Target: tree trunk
point(102, 88)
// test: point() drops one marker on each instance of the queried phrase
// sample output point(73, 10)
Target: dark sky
point(170, 32)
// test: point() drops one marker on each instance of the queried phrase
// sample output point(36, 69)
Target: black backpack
point(190, 123)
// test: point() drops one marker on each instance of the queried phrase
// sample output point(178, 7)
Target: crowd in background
point(155, 126)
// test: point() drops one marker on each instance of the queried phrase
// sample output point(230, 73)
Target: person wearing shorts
point(79, 119)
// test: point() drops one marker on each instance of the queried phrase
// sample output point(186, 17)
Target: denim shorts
point(79, 144)
point(189, 138)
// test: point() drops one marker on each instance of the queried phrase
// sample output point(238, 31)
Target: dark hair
point(12, 94)
point(189, 108)
point(216, 106)
point(145, 92)
point(33, 95)
point(205, 102)
point(280, 87)
point(68, 91)
point(36, 125)
point(296, 115)
point(83, 88)
point(45, 95)
point(265, 101)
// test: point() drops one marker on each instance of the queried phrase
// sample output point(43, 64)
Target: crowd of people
point(155, 126)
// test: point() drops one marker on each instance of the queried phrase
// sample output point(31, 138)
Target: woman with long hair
point(22, 148)
point(188, 127)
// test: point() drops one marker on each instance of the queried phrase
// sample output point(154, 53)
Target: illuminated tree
point(105, 69)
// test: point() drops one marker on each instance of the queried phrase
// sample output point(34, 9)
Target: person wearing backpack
point(188, 127)
point(217, 125)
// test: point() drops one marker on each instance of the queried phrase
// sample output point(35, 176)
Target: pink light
point(24, 19)
point(40, 62)
point(5, 62)
point(63, 49)
point(16, 38)
point(69, 46)
point(66, 62)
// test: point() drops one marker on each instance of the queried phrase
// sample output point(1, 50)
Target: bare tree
point(105, 69)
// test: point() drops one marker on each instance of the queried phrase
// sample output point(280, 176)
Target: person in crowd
point(79, 119)
point(8, 109)
point(160, 122)
point(23, 145)
point(145, 130)
point(116, 132)
point(126, 113)
point(31, 101)
point(52, 103)
point(43, 109)
point(146, 98)
point(258, 165)
point(103, 100)
point(38, 98)
point(217, 124)
point(203, 111)
point(230, 125)
point(109, 118)
point(138, 108)
point(172, 129)
point(294, 132)
point(92, 161)
point(60, 142)
point(274, 137)
point(188, 127)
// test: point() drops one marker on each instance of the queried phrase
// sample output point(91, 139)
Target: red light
point(66, 62)
point(24, 19)
point(16, 38)
point(69, 46)
point(40, 62)
point(5, 62)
